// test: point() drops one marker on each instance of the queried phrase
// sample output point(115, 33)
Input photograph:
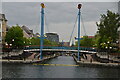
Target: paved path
point(83, 61)
point(27, 60)
point(15, 53)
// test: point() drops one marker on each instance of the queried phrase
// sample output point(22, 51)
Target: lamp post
point(12, 42)
point(79, 7)
point(108, 49)
point(7, 47)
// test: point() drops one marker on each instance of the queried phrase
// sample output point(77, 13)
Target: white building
point(27, 32)
point(0, 31)
point(0, 36)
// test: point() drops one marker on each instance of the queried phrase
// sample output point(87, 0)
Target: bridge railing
point(61, 47)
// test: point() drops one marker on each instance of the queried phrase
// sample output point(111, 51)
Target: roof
point(90, 36)
point(2, 17)
point(51, 34)
point(27, 30)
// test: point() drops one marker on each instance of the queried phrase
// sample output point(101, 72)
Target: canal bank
point(92, 63)
point(28, 61)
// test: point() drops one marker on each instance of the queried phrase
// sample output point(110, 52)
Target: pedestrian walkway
point(26, 60)
point(95, 63)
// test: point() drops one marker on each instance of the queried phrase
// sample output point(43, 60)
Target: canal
point(59, 71)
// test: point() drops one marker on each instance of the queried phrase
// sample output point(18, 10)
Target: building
point(54, 37)
point(0, 31)
point(27, 32)
point(3, 25)
point(91, 36)
point(0, 36)
point(66, 43)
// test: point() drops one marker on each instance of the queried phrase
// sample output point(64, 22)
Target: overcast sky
point(59, 17)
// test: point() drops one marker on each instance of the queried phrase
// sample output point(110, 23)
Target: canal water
point(59, 71)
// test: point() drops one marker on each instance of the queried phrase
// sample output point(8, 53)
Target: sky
point(60, 17)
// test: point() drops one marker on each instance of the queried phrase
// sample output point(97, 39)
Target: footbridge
point(89, 50)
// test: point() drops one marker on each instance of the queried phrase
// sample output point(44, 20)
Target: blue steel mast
point(42, 29)
point(79, 7)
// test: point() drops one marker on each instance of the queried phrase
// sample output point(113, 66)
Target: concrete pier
point(95, 63)
point(27, 61)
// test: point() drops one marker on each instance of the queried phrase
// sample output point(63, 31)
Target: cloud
point(59, 17)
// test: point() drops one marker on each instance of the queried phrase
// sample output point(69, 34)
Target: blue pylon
point(79, 7)
point(42, 29)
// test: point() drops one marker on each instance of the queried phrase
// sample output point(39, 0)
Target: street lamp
point(117, 42)
point(110, 47)
point(108, 42)
point(6, 44)
point(7, 47)
point(12, 39)
point(106, 47)
point(10, 44)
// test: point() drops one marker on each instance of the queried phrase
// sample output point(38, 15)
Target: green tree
point(15, 36)
point(108, 28)
point(26, 41)
point(86, 42)
point(36, 41)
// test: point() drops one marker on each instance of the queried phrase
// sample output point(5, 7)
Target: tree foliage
point(86, 42)
point(108, 29)
point(108, 26)
point(14, 36)
point(36, 41)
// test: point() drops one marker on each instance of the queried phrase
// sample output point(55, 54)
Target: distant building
point(3, 25)
point(0, 36)
point(0, 31)
point(90, 36)
point(54, 37)
point(83, 36)
point(66, 43)
point(27, 32)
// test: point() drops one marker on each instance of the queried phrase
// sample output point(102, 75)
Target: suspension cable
point(83, 25)
point(73, 30)
point(46, 25)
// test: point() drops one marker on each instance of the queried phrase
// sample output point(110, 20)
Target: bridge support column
point(79, 7)
point(42, 29)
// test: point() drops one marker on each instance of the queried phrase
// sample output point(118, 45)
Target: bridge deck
point(59, 50)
